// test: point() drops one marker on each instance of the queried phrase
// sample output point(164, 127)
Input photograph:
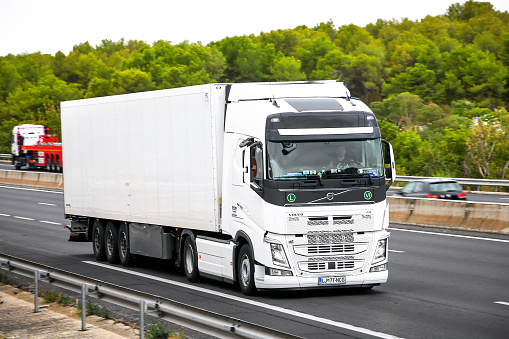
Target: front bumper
point(293, 282)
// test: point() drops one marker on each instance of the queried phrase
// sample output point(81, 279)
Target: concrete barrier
point(476, 216)
point(54, 180)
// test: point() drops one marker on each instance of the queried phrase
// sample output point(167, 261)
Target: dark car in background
point(433, 189)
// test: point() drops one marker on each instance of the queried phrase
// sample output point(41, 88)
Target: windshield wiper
point(300, 176)
point(315, 176)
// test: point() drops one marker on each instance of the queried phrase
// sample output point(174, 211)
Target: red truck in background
point(33, 147)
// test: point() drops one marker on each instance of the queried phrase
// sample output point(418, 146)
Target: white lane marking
point(251, 302)
point(46, 204)
point(50, 222)
point(395, 251)
point(502, 303)
point(31, 189)
point(23, 218)
point(4, 215)
point(449, 235)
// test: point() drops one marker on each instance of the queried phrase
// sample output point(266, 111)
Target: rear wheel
point(190, 259)
point(245, 270)
point(58, 168)
point(126, 258)
point(98, 242)
point(111, 238)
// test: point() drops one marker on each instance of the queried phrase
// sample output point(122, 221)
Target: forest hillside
point(439, 85)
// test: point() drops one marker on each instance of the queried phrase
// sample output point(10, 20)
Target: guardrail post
point(83, 307)
point(37, 276)
point(143, 309)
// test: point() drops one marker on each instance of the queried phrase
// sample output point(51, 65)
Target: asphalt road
point(440, 285)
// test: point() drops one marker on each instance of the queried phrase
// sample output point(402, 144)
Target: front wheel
point(98, 242)
point(245, 270)
point(190, 259)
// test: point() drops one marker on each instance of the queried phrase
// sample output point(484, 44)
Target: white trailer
point(236, 182)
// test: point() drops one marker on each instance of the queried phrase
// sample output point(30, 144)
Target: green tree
point(488, 145)
point(243, 59)
point(131, 81)
point(287, 69)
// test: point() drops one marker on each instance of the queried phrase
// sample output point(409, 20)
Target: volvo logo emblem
point(330, 196)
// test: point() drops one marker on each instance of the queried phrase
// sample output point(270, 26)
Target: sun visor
point(277, 90)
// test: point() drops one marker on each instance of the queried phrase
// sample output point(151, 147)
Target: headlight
point(380, 251)
point(278, 255)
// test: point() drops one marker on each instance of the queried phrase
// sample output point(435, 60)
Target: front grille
point(326, 249)
point(328, 238)
point(345, 265)
point(316, 266)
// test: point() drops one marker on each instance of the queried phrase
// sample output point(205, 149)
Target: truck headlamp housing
point(380, 251)
point(277, 272)
point(278, 255)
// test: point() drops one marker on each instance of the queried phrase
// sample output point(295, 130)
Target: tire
point(98, 243)
point(111, 242)
point(190, 259)
point(125, 257)
point(48, 167)
point(245, 270)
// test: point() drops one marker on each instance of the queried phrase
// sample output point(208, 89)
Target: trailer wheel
point(111, 241)
point(246, 270)
point(190, 259)
point(98, 242)
point(126, 258)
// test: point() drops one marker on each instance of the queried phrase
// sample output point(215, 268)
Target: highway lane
point(439, 285)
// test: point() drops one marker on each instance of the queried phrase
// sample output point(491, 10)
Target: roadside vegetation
point(439, 85)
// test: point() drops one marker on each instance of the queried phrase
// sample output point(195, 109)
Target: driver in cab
point(343, 160)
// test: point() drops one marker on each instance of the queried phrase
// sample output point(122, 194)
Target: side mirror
point(390, 172)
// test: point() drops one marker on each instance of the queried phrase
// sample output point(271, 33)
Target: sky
point(49, 26)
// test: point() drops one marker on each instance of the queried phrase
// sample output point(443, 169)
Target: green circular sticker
point(290, 197)
point(367, 195)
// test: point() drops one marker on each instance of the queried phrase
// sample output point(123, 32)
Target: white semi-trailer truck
point(268, 185)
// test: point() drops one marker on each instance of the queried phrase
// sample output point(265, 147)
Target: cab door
point(247, 184)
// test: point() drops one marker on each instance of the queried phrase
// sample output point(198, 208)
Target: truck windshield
point(327, 159)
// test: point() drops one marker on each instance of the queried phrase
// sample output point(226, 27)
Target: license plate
point(332, 281)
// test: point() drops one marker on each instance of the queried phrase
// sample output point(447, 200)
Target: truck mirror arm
point(247, 142)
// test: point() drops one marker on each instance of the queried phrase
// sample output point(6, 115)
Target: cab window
point(256, 164)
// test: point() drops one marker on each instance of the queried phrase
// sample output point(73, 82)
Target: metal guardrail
point(462, 181)
point(5, 156)
point(201, 320)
